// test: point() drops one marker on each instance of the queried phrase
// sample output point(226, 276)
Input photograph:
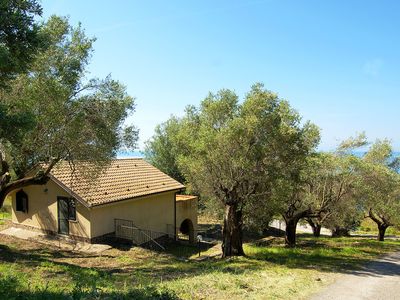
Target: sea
point(130, 154)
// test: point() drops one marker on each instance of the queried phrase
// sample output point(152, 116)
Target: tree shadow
point(164, 265)
point(174, 264)
point(386, 266)
point(214, 232)
point(11, 288)
point(182, 249)
point(316, 254)
point(374, 236)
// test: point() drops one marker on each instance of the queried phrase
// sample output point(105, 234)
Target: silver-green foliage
point(55, 112)
point(381, 184)
point(235, 151)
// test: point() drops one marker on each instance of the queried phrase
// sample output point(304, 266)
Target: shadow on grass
point(164, 266)
point(214, 231)
point(76, 282)
point(185, 250)
point(11, 288)
point(45, 259)
point(341, 255)
point(108, 273)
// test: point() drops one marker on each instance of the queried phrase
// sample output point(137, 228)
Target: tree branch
point(41, 177)
point(374, 217)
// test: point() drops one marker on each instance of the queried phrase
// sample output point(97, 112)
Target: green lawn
point(270, 271)
point(5, 211)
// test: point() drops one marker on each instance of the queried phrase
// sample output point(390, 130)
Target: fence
point(126, 229)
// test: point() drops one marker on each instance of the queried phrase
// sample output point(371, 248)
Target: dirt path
point(379, 279)
point(61, 243)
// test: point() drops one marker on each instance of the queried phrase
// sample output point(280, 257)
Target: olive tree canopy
point(54, 113)
point(19, 36)
point(235, 151)
point(381, 188)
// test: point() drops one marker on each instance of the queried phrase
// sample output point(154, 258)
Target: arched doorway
point(186, 228)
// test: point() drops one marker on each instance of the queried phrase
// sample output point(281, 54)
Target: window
point(22, 201)
point(71, 210)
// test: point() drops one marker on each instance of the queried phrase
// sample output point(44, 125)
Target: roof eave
point(69, 191)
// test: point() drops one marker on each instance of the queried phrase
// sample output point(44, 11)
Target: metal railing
point(126, 229)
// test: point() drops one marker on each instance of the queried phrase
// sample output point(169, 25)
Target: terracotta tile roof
point(122, 179)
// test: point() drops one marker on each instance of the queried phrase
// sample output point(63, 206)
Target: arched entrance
point(186, 228)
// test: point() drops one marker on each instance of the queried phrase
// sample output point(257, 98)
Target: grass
point(5, 210)
point(30, 270)
point(270, 271)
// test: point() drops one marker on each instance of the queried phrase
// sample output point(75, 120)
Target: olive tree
point(19, 37)
point(346, 216)
point(54, 113)
point(316, 187)
point(235, 152)
point(163, 148)
point(291, 198)
point(333, 191)
point(382, 186)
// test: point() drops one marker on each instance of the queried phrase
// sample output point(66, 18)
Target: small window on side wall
point(21, 201)
point(72, 209)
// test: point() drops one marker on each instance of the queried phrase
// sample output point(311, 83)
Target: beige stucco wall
point(152, 212)
point(42, 210)
point(187, 209)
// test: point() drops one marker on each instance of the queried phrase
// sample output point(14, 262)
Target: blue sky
point(337, 62)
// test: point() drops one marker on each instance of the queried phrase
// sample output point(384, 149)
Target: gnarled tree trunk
point(291, 220)
point(290, 231)
point(316, 227)
point(381, 222)
point(382, 229)
point(7, 185)
point(232, 235)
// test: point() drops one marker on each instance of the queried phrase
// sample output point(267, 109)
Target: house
point(129, 198)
